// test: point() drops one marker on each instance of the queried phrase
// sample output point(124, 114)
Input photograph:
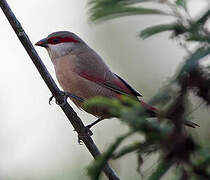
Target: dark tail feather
point(152, 111)
point(191, 124)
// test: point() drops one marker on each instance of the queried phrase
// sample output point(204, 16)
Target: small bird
point(83, 74)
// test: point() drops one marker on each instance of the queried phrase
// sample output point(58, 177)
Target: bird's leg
point(88, 132)
point(95, 122)
point(65, 96)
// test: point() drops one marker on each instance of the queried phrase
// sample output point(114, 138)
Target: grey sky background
point(37, 141)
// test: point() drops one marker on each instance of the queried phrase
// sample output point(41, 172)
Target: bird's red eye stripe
point(69, 39)
point(57, 40)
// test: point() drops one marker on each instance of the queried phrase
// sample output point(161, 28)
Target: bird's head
point(60, 43)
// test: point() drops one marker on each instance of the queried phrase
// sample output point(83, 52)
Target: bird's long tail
point(152, 111)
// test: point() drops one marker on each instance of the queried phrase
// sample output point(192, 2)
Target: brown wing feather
point(90, 66)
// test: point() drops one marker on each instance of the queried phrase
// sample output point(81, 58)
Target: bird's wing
point(92, 68)
point(117, 85)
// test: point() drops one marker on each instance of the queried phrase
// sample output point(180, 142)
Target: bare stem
point(67, 109)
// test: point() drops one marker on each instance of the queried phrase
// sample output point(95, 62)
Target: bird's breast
point(67, 78)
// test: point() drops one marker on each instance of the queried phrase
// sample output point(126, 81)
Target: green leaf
point(138, 122)
point(193, 60)
point(110, 12)
point(134, 1)
point(115, 2)
point(161, 28)
point(195, 36)
point(145, 147)
point(203, 18)
point(114, 106)
point(95, 169)
point(182, 3)
point(128, 149)
point(164, 95)
point(204, 163)
point(162, 168)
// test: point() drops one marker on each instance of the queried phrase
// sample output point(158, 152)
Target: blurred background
point(37, 141)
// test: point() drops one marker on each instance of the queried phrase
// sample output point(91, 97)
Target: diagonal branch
point(67, 109)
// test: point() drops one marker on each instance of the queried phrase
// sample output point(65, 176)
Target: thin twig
point(67, 109)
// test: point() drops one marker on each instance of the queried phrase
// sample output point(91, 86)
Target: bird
point(83, 74)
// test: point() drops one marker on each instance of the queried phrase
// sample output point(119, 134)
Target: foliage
point(165, 134)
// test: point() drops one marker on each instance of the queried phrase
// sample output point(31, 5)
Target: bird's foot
point(82, 135)
point(58, 103)
point(65, 96)
point(87, 132)
point(50, 99)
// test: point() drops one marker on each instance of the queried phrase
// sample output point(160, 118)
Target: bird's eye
point(55, 41)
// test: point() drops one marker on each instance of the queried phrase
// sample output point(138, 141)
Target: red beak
point(42, 43)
